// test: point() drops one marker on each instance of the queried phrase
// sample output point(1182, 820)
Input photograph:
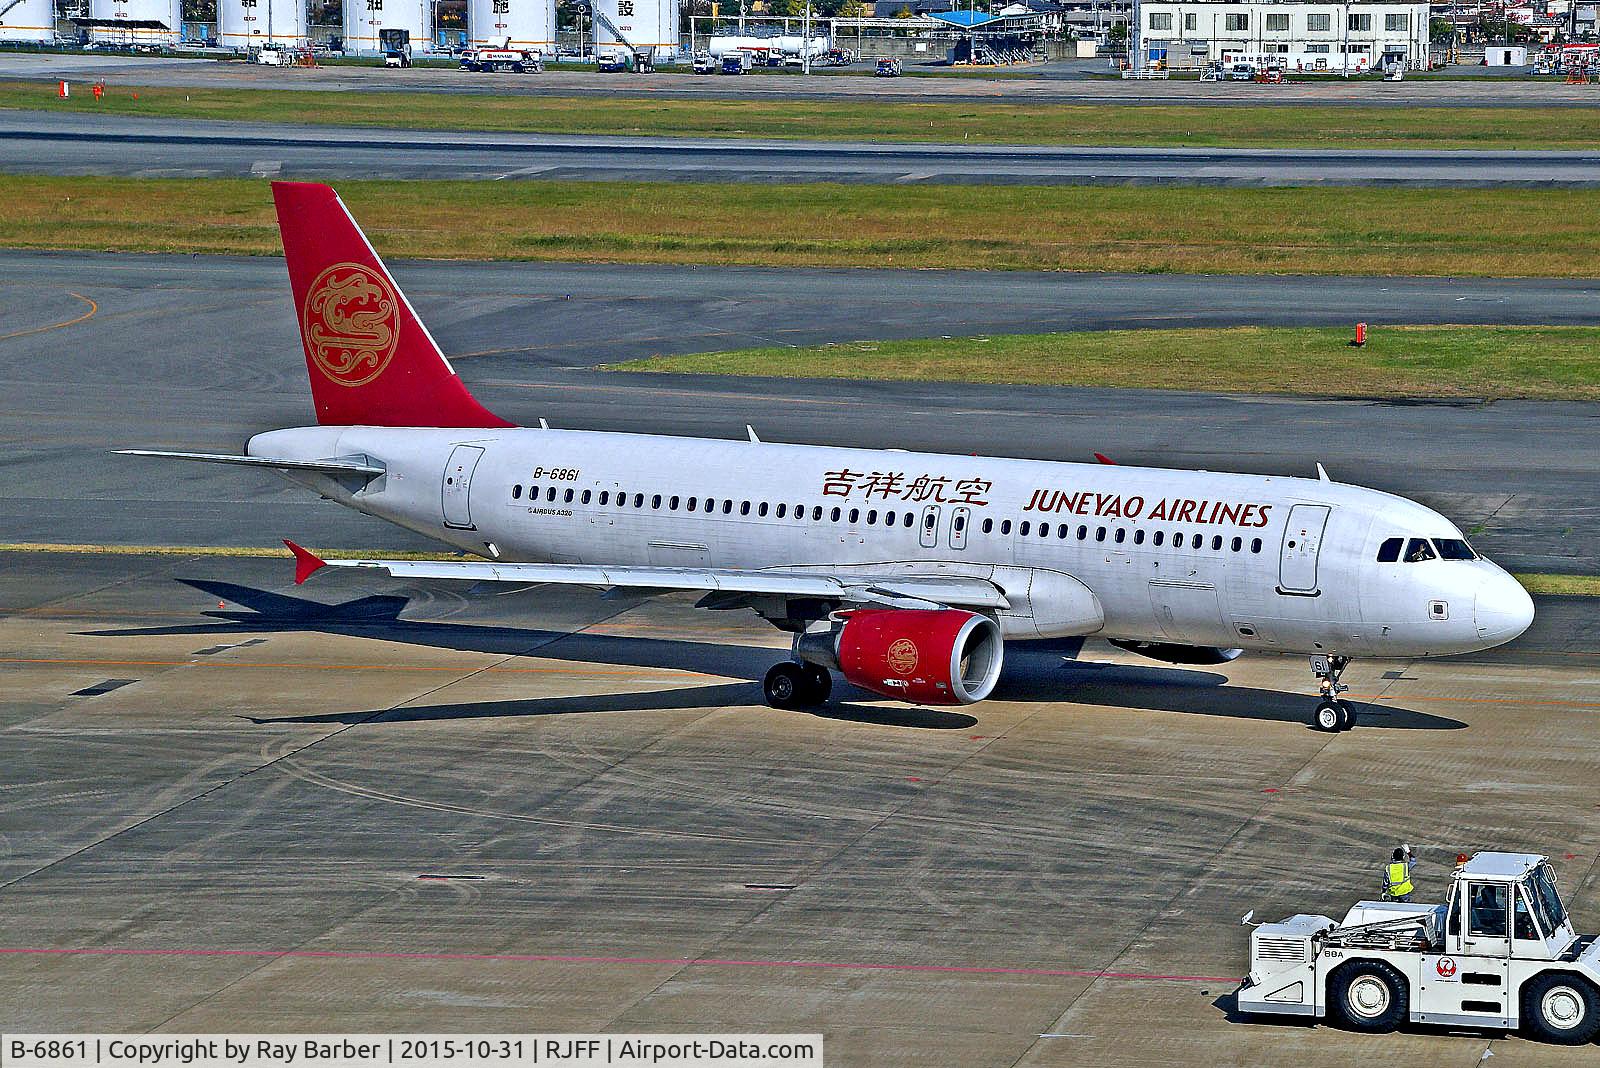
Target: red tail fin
point(371, 360)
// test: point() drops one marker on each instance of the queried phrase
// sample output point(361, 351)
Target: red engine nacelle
point(925, 656)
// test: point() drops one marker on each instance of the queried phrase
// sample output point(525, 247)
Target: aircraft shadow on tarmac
point(1040, 672)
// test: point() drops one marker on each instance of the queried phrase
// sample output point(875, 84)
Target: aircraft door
point(960, 518)
point(930, 526)
point(456, 489)
point(1302, 541)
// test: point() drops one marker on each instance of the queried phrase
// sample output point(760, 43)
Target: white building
point(1300, 35)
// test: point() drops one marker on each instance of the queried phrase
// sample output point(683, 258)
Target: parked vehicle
point(888, 67)
point(735, 62)
point(704, 64)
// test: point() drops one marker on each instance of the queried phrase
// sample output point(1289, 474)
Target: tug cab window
point(1454, 549)
point(1419, 550)
point(1389, 551)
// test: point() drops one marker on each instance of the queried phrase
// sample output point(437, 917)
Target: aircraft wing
point(724, 586)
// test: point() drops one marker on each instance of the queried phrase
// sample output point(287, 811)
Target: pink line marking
point(548, 958)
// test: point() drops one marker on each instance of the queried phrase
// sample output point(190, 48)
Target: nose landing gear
point(1332, 715)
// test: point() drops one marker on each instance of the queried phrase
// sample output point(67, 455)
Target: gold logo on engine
point(351, 323)
point(902, 656)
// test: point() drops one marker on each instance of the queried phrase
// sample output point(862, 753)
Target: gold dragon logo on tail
point(351, 323)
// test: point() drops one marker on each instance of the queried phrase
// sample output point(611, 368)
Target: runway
point(152, 343)
point(1060, 84)
point(42, 143)
point(234, 804)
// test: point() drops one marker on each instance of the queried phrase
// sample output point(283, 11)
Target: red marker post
point(64, 89)
point(1361, 335)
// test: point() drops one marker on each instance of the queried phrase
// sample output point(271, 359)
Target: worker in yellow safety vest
point(1397, 876)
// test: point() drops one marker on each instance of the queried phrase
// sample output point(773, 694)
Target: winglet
point(1322, 474)
point(306, 563)
point(1103, 458)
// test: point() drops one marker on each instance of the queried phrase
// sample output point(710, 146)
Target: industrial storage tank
point(364, 19)
point(647, 24)
point(141, 17)
point(530, 24)
point(253, 23)
point(27, 20)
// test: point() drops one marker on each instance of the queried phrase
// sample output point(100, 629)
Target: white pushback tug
point(1499, 953)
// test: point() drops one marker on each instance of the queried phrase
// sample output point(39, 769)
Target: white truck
point(1500, 953)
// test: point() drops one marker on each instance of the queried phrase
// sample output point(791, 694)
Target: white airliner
point(904, 572)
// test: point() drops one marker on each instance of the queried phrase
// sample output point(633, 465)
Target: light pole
point(805, 42)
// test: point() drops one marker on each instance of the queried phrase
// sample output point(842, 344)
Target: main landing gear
point(791, 685)
point(1332, 715)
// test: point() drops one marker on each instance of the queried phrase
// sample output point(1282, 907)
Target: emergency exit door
point(1302, 542)
point(456, 489)
point(930, 526)
point(959, 520)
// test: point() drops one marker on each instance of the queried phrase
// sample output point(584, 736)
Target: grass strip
point(1549, 585)
point(1139, 229)
point(985, 121)
point(1538, 362)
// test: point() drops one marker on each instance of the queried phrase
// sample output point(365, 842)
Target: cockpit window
point(1419, 550)
point(1454, 549)
point(1389, 551)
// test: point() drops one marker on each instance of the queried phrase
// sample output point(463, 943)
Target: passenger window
point(761, 509)
point(744, 508)
point(1389, 551)
point(988, 525)
point(550, 494)
point(1454, 549)
point(672, 504)
point(1083, 532)
point(960, 523)
point(1216, 542)
point(1022, 531)
point(692, 504)
point(1122, 535)
point(783, 509)
point(585, 497)
point(872, 517)
point(1138, 536)
point(907, 520)
point(516, 493)
point(834, 515)
point(888, 519)
point(727, 508)
point(1157, 538)
point(638, 500)
point(1418, 551)
point(1238, 543)
point(533, 493)
point(1099, 533)
point(1255, 545)
point(855, 515)
point(568, 497)
point(816, 513)
point(1064, 532)
point(655, 501)
point(604, 496)
point(1177, 540)
point(1005, 526)
point(929, 520)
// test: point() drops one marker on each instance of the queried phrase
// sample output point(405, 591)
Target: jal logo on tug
point(351, 323)
point(902, 656)
point(1446, 967)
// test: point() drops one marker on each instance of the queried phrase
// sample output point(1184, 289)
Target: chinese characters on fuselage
point(898, 486)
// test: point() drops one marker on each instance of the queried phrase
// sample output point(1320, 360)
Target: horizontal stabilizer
point(325, 467)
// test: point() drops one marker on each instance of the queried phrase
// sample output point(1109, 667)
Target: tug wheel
point(1369, 996)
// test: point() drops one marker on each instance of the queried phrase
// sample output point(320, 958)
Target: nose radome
point(1502, 609)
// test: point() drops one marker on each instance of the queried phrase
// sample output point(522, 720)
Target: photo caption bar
point(410, 1051)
